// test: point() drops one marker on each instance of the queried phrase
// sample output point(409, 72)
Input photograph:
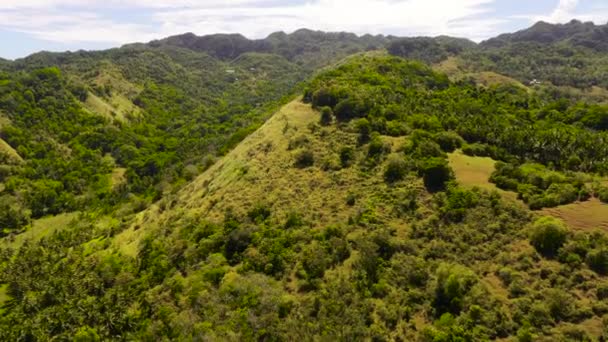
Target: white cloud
point(564, 11)
point(82, 21)
point(360, 16)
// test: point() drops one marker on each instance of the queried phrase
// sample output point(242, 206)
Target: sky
point(28, 26)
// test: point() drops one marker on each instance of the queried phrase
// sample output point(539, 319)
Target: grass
point(582, 215)
point(118, 105)
point(4, 146)
point(450, 66)
point(475, 172)
point(39, 229)
point(10, 152)
point(260, 170)
point(4, 297)
point(489, 78)
point(118, 177)
point(472, 171)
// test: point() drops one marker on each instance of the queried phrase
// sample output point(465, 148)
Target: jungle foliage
point(421, 258)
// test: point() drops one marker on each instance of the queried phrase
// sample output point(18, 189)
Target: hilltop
point(575, 32)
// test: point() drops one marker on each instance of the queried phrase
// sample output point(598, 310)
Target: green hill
point(339, 218)
point(300, 187)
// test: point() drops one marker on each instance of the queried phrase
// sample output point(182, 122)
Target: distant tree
point(304, 158)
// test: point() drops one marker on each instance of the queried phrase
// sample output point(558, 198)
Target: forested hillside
point(95, 129)
point(562, 60)
point(306, 187)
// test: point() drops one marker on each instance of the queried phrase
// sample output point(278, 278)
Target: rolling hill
point(302, 187)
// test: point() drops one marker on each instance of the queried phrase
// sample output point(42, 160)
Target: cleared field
point(476, 171)
point(583, 215)
point(455, 69)
point(472, 171)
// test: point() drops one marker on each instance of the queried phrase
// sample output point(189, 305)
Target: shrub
point(324, 97)
point(396, 128)
point(377, 148)
point(298, 142)
point(453, 283)
point(598, 260)
point(559, 303)
point(457, 202)
point(504, 182)
point(349, 109)
point(564, 193)
point(602, 291)
point(351, 199)
point(347, 155)
point(435, 173)
point(427, 149)
point(304, 158)
point(326, 115)
point(475, 150)
point(259, 213)
point(293, 220)
point(396, 169)
point(449, 141)
point(548, 235)
point(364, 128)
point(602, 194)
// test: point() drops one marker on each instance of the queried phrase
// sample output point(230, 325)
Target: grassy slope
point(261, 170)
point(261, 167)
point(456, 71)
point(118, 104)
point(39, 229)
point(4, 146)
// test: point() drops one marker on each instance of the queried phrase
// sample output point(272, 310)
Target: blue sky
point(28, 26)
